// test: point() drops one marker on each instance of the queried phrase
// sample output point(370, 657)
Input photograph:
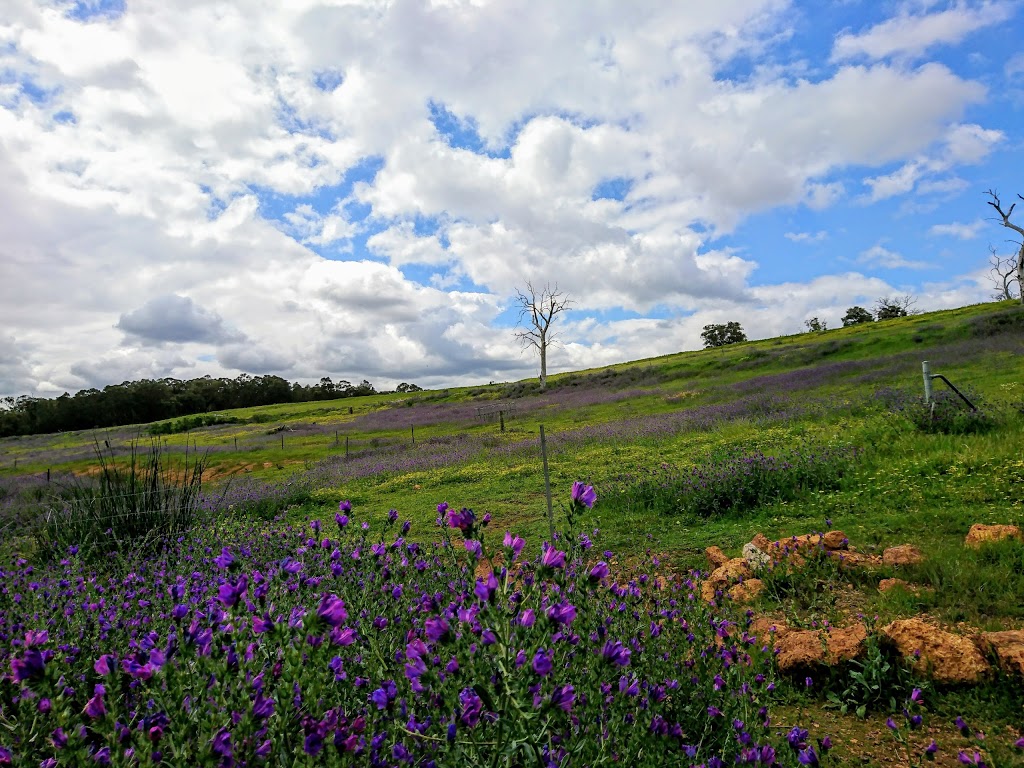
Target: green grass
point(907, 484)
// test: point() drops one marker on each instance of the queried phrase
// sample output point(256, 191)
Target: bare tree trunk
point(1020, 273)
point(543, 364)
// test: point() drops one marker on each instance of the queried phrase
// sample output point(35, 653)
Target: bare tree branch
point(537, 311)
point(1005, 216)
point(1003, 273)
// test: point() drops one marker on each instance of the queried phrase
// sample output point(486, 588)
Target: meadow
point(274, 626)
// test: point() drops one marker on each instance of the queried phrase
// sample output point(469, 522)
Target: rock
point(755, 557)
point(886, 584)
point(982, 534)
point(946, 657)
point(905, 554)
point(835, 541)
point(799, 650)
point(728, 573)
point(716, 557)
point(1008, 648)
point(746, 590)
point(768, 631)
point(857, 560)
point(761, 541)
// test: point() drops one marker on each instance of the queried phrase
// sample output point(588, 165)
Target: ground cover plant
point(891, 477)
point(303, 644)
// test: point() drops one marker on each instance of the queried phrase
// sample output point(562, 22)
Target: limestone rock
point(905, 554)
point(857, 560)
point(728, 573)
point(803, 649)
point(755, 557)
point(982, 534)
point(1008, 648)
point(768, 631)
point(761, 541)
point(948, 658)
point(746, 590)
point(835, 541)
point(716, 557)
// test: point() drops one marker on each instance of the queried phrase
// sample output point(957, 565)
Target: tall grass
point(134, 503)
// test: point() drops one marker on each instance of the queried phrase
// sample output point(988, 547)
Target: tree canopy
point(720, 334)
point(141, 402)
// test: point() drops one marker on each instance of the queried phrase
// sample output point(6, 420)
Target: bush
point(129, 507)
point(188, 423)
point(947, 414)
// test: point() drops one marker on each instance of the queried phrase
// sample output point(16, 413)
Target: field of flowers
point(281, 629)
point(334, 643)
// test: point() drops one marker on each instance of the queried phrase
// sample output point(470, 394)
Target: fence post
point(547, 484)
point(47, 474)
point(346, 446)
point(926, 371)
point(412, 431)
point(501, 418)
point(282, 441)
point(236, 443)
point(335, 437)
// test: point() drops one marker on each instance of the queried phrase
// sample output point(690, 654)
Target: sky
point(357, 189)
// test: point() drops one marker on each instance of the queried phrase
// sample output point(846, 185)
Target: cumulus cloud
point(173, 318)
point(312, 188)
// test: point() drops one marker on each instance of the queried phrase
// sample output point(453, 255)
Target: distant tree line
point(141, 402)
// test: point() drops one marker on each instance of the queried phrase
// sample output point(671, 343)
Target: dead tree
point(537, 310)
point(1005, 216)
point(1003, 274)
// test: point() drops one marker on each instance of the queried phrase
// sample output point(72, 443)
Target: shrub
point(946, 414)
point(128, 506)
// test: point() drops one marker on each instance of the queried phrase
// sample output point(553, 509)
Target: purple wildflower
point(583, 494)
point(542, 662)
point(563, 697)
point(599, 571)
point(562, 613)
point(471, 706)
point(332, 611)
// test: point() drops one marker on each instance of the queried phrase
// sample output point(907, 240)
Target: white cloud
point(807, 237)
point(880, 256)
point(170, 208)
point(913, 34)
point(957, 229)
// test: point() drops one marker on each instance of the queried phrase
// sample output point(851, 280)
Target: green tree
point(720, 334)
point(856, 316)
point(814, 325)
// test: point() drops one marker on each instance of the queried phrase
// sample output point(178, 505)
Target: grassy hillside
point(781, 436)
point(622, 426)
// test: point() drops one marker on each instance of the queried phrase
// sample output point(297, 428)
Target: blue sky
point(360, 190)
